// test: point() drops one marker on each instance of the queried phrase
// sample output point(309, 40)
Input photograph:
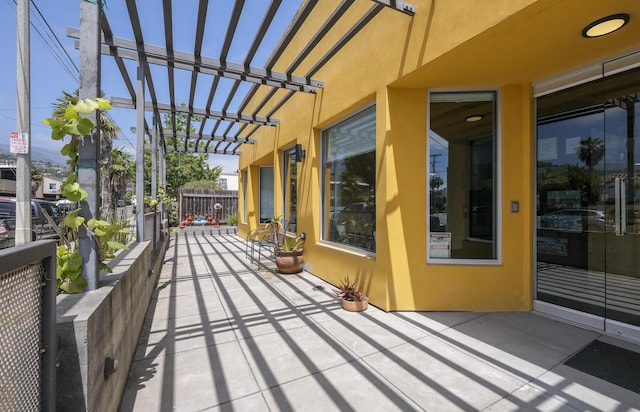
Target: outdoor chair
point(255, 235)
point(260, 237)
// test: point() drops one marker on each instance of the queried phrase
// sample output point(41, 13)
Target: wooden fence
point(200, 202)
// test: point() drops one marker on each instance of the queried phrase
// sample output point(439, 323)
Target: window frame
point(245, 180)
point(497, 260)
point(323, 200)
point(288, 154)
point(260, 202)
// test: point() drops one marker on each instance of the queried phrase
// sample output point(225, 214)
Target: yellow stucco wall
point(393, 62)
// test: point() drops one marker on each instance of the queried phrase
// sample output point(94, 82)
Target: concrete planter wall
point(104, 324)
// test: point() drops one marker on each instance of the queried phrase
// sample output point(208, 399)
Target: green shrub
point(232, 219)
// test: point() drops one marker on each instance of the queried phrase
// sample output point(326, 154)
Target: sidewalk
point(222, 335)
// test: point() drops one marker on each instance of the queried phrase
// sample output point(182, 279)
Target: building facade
point(50, 188)
point(228, 181)
point(475, 156)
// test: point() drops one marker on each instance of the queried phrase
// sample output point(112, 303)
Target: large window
point(462, 176)
point(290, 192)
point(266, 193)
point(348, 181)
point(245, 182)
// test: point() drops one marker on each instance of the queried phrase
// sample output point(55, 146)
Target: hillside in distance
point(38, 154)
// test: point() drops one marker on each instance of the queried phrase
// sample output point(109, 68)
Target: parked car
point(65, 205)
point(52, 209)
point(46, 221)
point(5, 232)
point(575, 220)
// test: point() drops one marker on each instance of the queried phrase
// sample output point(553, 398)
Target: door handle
point(620, 213)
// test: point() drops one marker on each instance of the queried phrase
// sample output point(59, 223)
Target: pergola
point(95, 37)
point(194, 62)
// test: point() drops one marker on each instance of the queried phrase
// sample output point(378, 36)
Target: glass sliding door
point(571, 211)
point(587, 200)
point(622, 195)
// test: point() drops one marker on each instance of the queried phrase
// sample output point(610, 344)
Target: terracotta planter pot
point(353, 306)
point(289, 262)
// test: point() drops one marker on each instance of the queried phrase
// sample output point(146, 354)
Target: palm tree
point(590, 151)
point(118, 174)
point(436, 182)
point(36, 180)
point(108, 131)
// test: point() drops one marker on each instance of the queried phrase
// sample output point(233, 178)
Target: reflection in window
point(461, 171)
point(349, 156)
point(290, 193)
point(266, 193)
point(571, 158)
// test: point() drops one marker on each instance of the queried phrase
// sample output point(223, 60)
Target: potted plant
point(352, 297)
point(288, 254)
point(287, 250)
point(275, 225)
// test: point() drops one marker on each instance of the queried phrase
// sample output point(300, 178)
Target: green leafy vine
point(161, 197)
point(69, 277)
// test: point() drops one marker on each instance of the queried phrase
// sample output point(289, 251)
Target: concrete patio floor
point(222, 335)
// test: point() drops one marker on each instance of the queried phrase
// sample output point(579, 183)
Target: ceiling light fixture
point(605, 25)
point(474, 118)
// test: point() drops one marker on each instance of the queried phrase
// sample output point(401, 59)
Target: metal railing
point(27, 327)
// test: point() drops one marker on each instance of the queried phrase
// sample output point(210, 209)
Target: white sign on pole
point(19, 143)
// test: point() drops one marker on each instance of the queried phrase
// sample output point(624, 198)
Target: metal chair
point(252, 237)
point(268, 239)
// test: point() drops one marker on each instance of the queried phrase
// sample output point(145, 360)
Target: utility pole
point(434, 158)
point(23, 123)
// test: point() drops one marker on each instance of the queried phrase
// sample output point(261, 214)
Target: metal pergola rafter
point(219, 67)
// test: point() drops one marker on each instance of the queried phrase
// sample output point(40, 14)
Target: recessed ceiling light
point(605, 25)
point(474, 118)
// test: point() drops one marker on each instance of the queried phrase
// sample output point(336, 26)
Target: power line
point(55, 37)
point(13, 109)
point(59, 52)
point(120, 132)
point(32, 124)
point(54, 46)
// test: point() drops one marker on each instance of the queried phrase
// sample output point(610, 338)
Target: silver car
point(574, 220)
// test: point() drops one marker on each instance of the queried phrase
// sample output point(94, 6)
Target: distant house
point(228, 181)
point(7, 180)
point(51, 188)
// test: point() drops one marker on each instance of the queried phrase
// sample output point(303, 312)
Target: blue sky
point(49, 78)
